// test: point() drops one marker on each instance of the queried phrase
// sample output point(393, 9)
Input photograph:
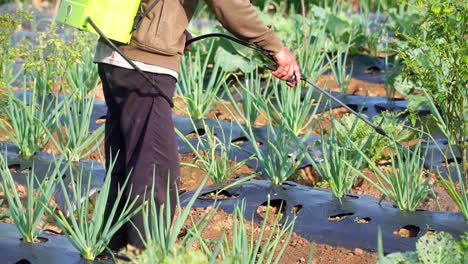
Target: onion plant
point(278, 160)
point(337, 65)
point(261, 248)
point(249, 244)
point(339, 164)
point(408, 183)
point(89, 231)
point(312, 56)
point(83, 77)
point(292, 108)
point(27, 215)
point(74, 139)
point(28, 121)
point(251, 92)
point(196, 90)
point(161, 234)
point(213, 156)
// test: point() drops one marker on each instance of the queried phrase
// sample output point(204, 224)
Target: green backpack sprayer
point(117, 19)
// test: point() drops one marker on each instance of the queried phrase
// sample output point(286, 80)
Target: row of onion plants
point(34, 117)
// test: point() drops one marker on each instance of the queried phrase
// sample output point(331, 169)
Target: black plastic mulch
point(56, 249)
point(353, 223)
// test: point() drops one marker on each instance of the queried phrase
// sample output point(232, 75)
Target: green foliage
point(27, 215)
point(361, 132)
point(196, 92)
point(292, 108)
point(88, 231)
point(29, 120)
point(49, 58)
point(249, 244)
point(338, 67)
point(75, 142)
point(9, 23)
point(179, 255)
point(456, 191)
point(435, 60)
point(339, 164)
point(161, 233)
point(408, 183)
point(251, 93)
point(82, 77)
point(432, 248)
point(213, 156)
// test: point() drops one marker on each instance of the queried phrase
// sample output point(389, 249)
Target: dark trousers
point(140, 137)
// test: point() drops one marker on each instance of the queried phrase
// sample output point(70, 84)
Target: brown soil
point(298, 248)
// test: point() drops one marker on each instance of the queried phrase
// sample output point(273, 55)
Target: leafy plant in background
point(432, 248)
point(457, 192)
point(434, 61)
point(197, 92)
point(9, 23)
point(50, 57)
point(361, 132)
point(338, 67)
point(339, 164)
point(292, 108)
point(160, 236)
point(29, 120)
point(74, 139)
point(27, 215)
point(213, 155)
point(342, 29)
point(408, 183)
point(88, 231)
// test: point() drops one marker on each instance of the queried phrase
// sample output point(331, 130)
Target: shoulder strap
point(140, 15)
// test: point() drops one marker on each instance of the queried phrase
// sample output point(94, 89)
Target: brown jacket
point(160, 39)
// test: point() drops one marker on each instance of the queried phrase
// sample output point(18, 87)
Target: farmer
point(139, 128)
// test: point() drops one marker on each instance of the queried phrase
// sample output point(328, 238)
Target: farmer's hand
point(188, 37)
point(287, 67)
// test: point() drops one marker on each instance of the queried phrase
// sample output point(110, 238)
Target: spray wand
point(377, 128)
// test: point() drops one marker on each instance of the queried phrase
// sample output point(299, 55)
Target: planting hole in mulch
point(351, 196)
point(296, 209)
point(289, 184)
point(339, 217)
point(101, 120)
point(275, 208)
point(364, 220)
point(223, 195)
point(452, 161)
point(357, 108)
point(242, 140)
point(200, 132)
point(39, 240)
point(17, 168)
point(23, 261)
point(407, 231)
point(373, 70)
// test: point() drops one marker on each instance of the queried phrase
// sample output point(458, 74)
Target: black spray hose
point(114, 47)
point(377, 128)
